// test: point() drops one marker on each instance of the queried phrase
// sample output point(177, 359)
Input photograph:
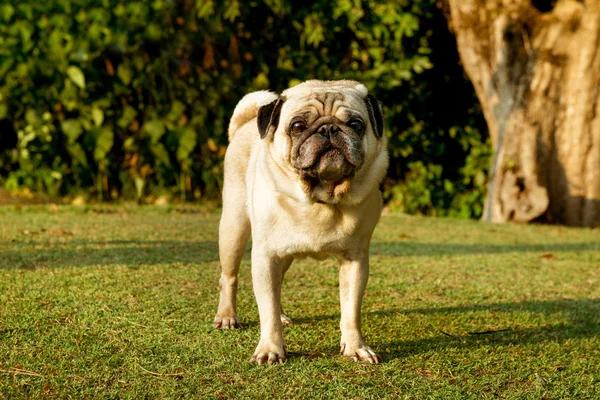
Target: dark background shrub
point(131, 99)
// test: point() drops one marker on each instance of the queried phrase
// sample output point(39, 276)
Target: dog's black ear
point(375, 114)
point(268, 115)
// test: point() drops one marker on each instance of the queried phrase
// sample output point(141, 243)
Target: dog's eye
point(298, 127)
point(356, 124)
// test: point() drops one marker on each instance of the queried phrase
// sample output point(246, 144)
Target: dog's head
point(326, 131)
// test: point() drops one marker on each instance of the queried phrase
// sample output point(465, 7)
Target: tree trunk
point(535, 66)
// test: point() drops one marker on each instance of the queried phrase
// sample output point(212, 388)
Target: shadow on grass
point(582, 322)
point(118, 252)
point(581, 319)
point(402, 248)
point(136, 252)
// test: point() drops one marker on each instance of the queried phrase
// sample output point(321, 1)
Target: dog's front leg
point(266, 280)
point(354, 273)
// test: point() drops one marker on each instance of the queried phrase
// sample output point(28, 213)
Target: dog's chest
point(315, 231)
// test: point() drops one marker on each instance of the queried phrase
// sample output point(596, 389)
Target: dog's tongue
point(333, 166)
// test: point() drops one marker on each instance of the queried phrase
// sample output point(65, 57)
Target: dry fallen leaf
point(59, 232)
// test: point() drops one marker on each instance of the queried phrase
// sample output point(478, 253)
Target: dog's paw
point(285, 320)
point(360, 353)
point(270, 353)
point(226, 322)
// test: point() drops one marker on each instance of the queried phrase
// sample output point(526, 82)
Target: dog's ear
point(375, 114)
point(268, 115)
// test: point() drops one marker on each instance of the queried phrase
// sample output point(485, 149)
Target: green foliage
point(132, 99)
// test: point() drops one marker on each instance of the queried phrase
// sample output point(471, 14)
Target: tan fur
point(264, 196)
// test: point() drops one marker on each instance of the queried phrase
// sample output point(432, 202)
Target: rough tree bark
point(535, 66)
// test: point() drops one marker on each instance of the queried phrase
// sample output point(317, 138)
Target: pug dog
point(302, 175)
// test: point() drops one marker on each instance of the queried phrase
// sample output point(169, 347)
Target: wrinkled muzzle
point(329, 154)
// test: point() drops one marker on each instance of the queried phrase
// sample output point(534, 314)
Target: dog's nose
point(328, 129)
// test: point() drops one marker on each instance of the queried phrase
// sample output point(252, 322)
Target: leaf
point(129, 114)
point(6, 12)
point(124, 73)
point(72, 129)
point(177, 108)
point(205, 9)
point(155, 129)
point(261, 81)
point(130, 145)
point(97, 116)
point(104, 143)
point(233, 10)
point(161, 154)
point(212, 146)
point(31, 117)
point(25, 30)
point(139, 185)
point(99, 141)
point(57, 231)
point(68, 96)
point(187, 142)
point(77, 154)
point(76, 75)
point(153, 32)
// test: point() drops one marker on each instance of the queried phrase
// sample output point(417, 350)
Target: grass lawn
point(119, 303)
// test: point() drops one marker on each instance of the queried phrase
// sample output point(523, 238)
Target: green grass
point(118, 303)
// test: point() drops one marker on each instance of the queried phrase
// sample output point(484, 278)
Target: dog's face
point(326, 132)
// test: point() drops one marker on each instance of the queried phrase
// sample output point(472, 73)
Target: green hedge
point(131, 99)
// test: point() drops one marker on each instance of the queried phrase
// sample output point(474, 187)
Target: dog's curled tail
point(247, 109)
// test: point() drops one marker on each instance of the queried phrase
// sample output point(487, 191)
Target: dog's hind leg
point(234, 231)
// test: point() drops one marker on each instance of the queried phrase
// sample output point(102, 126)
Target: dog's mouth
point(329, 155)
point(331, 166)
